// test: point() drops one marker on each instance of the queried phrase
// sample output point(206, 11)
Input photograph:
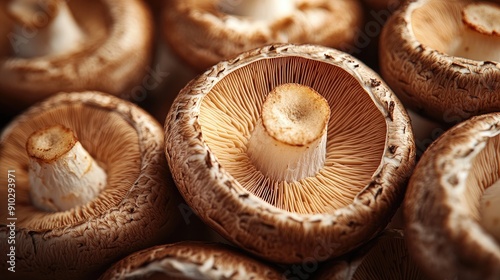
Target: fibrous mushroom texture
point(451, 221)
point(190, 260)
point(442, 58)
point(385, 257)
point(354, 133)
point(206, 32)
point(90, 177)
point(76, 45)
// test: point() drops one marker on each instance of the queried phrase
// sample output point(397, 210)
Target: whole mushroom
point(206, 32)
point(49, 46)
point(451, 206)
point(190, 260)
point(291, 152)
point(442, 58)
point(91, 185)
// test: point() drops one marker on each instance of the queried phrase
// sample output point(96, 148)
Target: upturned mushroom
point(291, 152)
point(49, 46)
point(442, 58)
point(451, 210)
point(190, 260)
point(385, 257)
point(89, 184)
point(206, 32)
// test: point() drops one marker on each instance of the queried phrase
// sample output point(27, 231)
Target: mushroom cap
point(350, 200)
point(203, 35)
point(415, 62)
point(441, 207)
point(384, 257)
point(139, 199)
point(190, 260)
point(113, 59)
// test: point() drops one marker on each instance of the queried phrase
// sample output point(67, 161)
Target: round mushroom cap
point(190, 260)
point(135, 210)
point(206, 32)
point(369, 154)
point(442, 203)
point(420, 62)
point(113, 58)
point(385, 257)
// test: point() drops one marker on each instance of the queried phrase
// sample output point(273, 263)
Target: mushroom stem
point(258, 9)
point(43, 27)
point(480, 39)
point(289, 140)
point(490, 210)
point(62, 173)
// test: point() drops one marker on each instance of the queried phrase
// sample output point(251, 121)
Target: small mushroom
point(291, 152)
point(442, 58)
point(91, 185)
point(385, 257)
point(49, 46)
point(190, 260)
point(449, 211)
point(206, 32)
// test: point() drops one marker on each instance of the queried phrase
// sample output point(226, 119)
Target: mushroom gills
point(289, 140)
point(53, 29)
point(490, 210)
point(480, 37)
point(258, 9)
point(62, 173)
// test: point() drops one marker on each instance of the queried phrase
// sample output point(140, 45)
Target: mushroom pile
point(90, 178)
point(49, 46)
point(291, 152)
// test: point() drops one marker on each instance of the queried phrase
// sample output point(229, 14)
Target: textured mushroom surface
point(437, 65)
point(442, 204)
point(190, 260)
point(385, 257)
point(206, 32)
point(370, 152)
point(112, 57)
point(138, 200)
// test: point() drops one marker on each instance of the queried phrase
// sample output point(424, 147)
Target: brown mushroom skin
point(444, 241)
point(228, 262)
point(201, 36)
point(445, 88)
point(144, 217)
point(262, 229)
point(115, 61)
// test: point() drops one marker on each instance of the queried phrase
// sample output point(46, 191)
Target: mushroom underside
point(440, 25)
point(109, 139)
point(356, 132)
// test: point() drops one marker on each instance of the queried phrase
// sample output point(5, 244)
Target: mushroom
point(190, 260)
point(333, 196)
point(447, 228)
point(442, 57)
point(385, 257)
point(90, 179)
point(206, 32)
point(102, 45)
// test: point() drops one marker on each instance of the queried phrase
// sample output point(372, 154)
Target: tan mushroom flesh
point(245, 181)
point(206, 32)
point(450, 211)
point(190, 260)
point(442, 58)
point(385, 257)
point(90, 178)
point(49, 46)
